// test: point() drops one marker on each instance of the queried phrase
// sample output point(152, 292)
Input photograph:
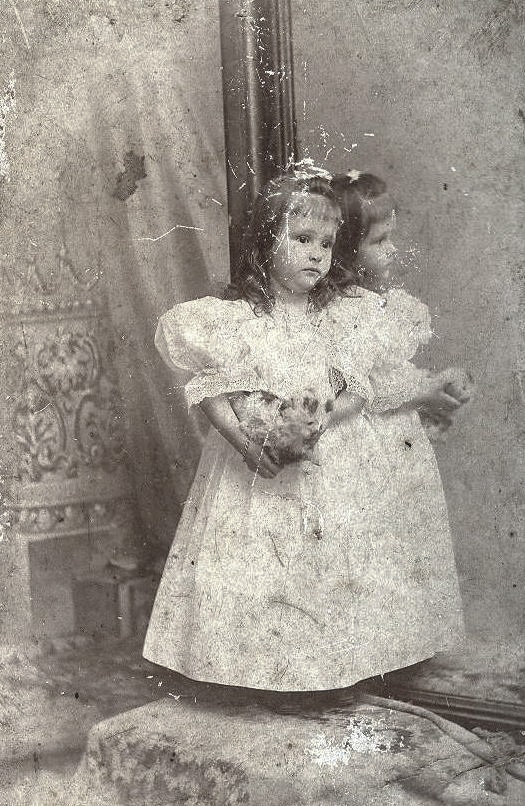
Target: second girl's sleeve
point(396, 381)
point(205, 340)
point(396, 385)
point(353, 321)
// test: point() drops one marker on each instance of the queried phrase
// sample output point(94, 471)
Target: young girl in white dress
point(322, 572)
point(364, 257)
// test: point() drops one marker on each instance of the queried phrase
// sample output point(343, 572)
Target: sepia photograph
point(262, 320)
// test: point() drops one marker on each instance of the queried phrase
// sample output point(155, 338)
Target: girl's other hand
point(450, 390)
point(461, 393)
point(438, 404)
point(221, 415)
point(457, 383)
point(259, 462)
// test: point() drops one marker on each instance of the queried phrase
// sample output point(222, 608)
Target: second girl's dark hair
point(364, 200)
point(252, 280)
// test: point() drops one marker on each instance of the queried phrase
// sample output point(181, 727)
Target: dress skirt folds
point(339, 568)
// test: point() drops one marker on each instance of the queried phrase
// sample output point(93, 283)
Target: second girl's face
point(303, 250)
point(376, 253)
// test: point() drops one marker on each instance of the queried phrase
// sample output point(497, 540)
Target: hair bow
point(353, 175)
point(305, 169)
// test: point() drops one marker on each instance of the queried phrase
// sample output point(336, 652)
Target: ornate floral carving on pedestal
point(68, 412)
point(64, 424)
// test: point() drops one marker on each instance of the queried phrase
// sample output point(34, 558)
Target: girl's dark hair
point(252, 280)
point(364, 200)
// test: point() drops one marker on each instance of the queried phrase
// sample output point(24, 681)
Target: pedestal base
point(37, 578)
point(181, 751)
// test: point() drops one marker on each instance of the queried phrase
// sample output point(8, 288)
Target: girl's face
point(303, 249)
point(376, 253)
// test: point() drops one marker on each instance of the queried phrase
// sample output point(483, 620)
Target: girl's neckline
point(309, 315)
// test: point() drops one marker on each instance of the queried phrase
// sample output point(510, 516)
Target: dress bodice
point(225, 346)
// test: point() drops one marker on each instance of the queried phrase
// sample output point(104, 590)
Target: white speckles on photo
point(7, 105)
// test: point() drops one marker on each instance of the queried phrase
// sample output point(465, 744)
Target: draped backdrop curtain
point(116, 154)
point(164, 243)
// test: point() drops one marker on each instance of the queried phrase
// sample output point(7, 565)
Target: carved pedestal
point(67, 495)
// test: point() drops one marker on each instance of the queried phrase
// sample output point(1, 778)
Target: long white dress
point(341, 567)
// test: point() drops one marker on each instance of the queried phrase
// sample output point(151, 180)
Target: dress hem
point(387, 668)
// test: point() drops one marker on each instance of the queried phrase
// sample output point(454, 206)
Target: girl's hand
point(221, 415)
point(457, 384)
point(451, 390)
point(438, 404)
point(258, 461)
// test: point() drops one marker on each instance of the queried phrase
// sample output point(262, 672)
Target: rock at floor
point(181, 751)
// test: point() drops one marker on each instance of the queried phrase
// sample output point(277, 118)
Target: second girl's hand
point(221, 415)
point(451, 390)
point(457, 384)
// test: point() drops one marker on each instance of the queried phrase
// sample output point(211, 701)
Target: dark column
point(259, 118)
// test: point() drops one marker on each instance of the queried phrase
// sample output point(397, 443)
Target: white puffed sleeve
point(395, 379)
point(206, 339)
point(354, 322)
